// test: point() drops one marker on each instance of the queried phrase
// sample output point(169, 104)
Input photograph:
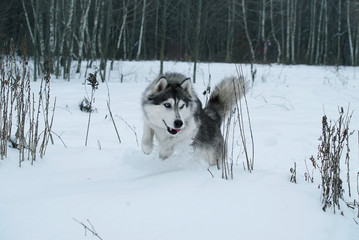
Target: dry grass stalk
point(91, 230)
point(110, 112)
point(113, 121)
point(18, 104)
point(225, 166)
point(334, 140)
point(240, 91)
point(236, 118)
point(92, 81)
point(293, 171)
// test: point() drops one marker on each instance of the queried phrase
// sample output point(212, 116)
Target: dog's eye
point(167, 105)
point(182, 106)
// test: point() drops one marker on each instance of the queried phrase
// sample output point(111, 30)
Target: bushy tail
point(224, 96)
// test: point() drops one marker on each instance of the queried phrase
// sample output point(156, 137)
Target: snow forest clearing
point(118, 192)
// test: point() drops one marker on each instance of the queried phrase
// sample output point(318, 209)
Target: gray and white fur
point(174, 115)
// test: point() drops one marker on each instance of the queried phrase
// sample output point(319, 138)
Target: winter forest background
point(57, 32)
point(298, 131)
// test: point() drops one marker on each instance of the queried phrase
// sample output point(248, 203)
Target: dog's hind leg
point(147, 139)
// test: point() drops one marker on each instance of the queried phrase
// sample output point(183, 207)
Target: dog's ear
point(160, 85)
point(186, 85)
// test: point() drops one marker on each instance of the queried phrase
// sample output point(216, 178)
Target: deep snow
point(126, 194)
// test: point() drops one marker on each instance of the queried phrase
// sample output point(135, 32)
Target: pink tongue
point(177, 130)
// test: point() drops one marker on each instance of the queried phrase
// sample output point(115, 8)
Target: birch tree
point(196, 41)
point(279, 52)
point(32, 35)
point(52, 35)
point(163, 37)
point(68, 40)
point(105, 47)
point(325, 54)
point(244, 14)
point(85, 6)
point(156, 30)
point(319, 33)
point(311, 40)
point(93, 40)
point(293, 17)
point(141, 30)
point(289, 17)
point(230, 29)
point(262, 29)
point(339, 30)
point(60, 31)
point(118, 43)
point(351, 51)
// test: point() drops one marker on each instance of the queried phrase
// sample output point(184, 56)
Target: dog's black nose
point(178, 123)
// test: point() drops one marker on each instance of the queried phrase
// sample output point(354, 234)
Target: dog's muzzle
point(177, 123)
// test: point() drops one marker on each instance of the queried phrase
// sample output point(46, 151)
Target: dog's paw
point(147, 147)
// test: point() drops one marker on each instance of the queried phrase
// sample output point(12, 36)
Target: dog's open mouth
point(172, 131)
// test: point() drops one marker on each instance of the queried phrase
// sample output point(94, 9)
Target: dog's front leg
point(147, 139)
point(166, 151)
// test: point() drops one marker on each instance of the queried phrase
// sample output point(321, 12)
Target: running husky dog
point(173, 114)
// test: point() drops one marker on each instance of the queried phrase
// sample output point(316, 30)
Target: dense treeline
point(291, 31)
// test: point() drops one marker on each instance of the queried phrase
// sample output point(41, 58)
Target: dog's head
point(169, 105)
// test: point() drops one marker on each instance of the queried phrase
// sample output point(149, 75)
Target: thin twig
point(132, 129)
point(59, 136)
point(249, 121)
point(210, 172)
point(93, 231)
point(109, 109)
point(113, 121)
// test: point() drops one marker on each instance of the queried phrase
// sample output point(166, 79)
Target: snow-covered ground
point(126, 194)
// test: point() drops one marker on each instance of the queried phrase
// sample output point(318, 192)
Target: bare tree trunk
point(187, 34)
point(351, 51)
point(293, 29)
point(287, 49)
point(356, 56)
point(311, 40)
point(282, 26)
point(52, 36)
point(60, 54)
point(263, 25)
point(118, 44)
point(299, 36)
point(36, 55)
point(95, 30)
point(125, 43)
point(105, 47)
point(133, 30)
point(28, 23)
point(230, 30)
point(325, 54)
point(163, 38)
point(122, 25)
point(32, 35)
point(69, 40)
point(156, 30)
point(101, 26)
point(141, 30)
point(38, 27)
point(85, 6)
point(246, 31)
point(339, 31)
point(274, 32)
point(196, 42)
point(319, 39)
